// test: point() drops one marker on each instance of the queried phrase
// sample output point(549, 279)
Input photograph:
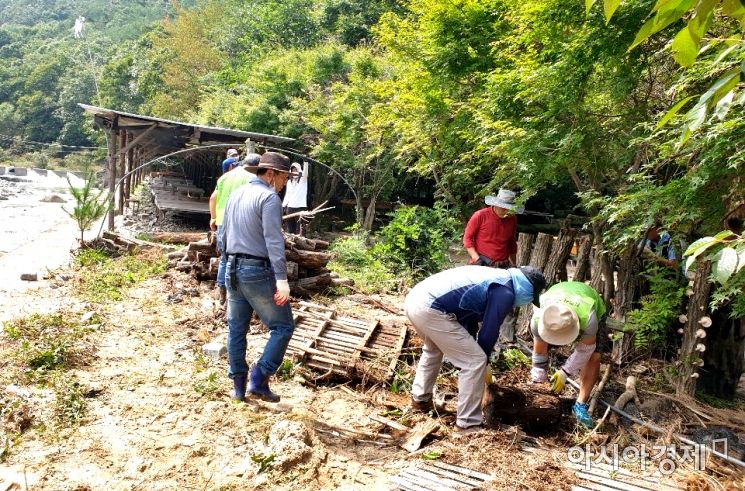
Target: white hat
point(558, 324)
point(232, 151)
point(504, 199)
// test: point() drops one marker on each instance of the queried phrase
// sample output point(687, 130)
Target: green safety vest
point(583, 298)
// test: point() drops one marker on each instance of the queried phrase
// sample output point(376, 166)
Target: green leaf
point(432, 455)
point(725, 53)
point(609, 7)
point(701, 244)
point(740, 98)
point(729, 79)
point(685, 48)
point(720, 112)
point(724, 235)
point(740, 258)
point(696, 116)
point(726, 265)
point(646, 30)
point(672, 112)
point(734, 8)
point(588, 6)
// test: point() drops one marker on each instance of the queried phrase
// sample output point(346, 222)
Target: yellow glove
point(558, 381)
point(488, 377)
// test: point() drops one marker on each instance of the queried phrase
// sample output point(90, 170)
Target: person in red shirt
point(491, 233)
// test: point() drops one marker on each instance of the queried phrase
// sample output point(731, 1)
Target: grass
point(718, 403)
point(104, 279)
point(354, 260)
point(42, 343)
point(512, 358)
point(40, 350)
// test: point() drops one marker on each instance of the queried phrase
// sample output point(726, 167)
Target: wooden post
point(557, 261)
point(582, 271)
point(112, 174)
point(538, 259)
point(122, 156)
point(692, 347)
point(128, 168)
point(524, 248)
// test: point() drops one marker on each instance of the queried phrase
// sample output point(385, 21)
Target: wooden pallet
point(438, 476)
point(345, 346)
point(604, 477)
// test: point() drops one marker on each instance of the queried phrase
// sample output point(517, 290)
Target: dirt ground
point(160, 416)
point(159, 413)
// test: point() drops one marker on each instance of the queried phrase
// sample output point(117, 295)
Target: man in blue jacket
point(446, 310)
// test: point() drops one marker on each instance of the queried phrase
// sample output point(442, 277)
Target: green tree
point(90, 205)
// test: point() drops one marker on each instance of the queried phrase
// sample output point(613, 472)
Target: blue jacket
point(476, 294)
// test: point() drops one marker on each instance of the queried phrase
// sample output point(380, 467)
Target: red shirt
point(491, 236)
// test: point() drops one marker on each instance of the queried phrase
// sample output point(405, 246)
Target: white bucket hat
point(504, 199)
point(558, 324)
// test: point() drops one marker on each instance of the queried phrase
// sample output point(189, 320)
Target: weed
point(432, 455)
point(108, 280)
point(286, 370)
point(201, 361)
point(71, 405)
point(265, 461)
point(46, 342)
point(512, 358)
point(207, 386)
point(92, 257)
point(144, 236)
point(402, 379)
point(716, 402)
point(353, 259)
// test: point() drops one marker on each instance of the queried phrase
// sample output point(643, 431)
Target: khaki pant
point(443, 335)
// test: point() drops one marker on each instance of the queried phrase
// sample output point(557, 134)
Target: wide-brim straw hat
point(275, 161)
point(558, 324)
point(504, 199)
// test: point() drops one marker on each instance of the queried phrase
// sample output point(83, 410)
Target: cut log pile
point(306, 263)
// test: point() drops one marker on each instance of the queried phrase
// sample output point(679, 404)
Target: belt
point(240, 255)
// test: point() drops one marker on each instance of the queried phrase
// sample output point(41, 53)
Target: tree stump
point(534, 408)
point(557, 260)
point(538, 259)
point(524, 248)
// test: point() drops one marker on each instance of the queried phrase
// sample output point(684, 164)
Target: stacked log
point(306, 263)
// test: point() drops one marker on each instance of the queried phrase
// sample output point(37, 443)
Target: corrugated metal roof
point(202, 134)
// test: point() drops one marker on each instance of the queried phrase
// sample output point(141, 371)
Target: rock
point(290, 443)
point(214, 350)
point(30, 277)
point(52, 198)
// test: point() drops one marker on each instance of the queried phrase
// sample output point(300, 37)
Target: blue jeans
point(221, 267)
point(255, 292)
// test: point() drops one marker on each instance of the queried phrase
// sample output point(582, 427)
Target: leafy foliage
point(653, 323)
point(726, 251)
point(416, 240)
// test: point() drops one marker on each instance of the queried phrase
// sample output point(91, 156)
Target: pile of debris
point(306, 260)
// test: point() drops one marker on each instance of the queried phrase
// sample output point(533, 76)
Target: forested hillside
point(46, 71)
point(467, 95)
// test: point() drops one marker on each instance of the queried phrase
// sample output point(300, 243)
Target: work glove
point(283, 292)
point(558, 381)
point(488, 378)
point(538, 375)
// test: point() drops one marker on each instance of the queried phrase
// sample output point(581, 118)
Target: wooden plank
point(608, 483)
point(436, 482)
point(394, 359)
point(458, 476)
point(652, 482)
point(463, 470)
point(314, 337)
point(407, 485)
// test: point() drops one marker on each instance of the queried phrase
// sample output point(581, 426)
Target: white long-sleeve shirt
point(296, 195)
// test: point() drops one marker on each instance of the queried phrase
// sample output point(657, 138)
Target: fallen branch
point(599, 389)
